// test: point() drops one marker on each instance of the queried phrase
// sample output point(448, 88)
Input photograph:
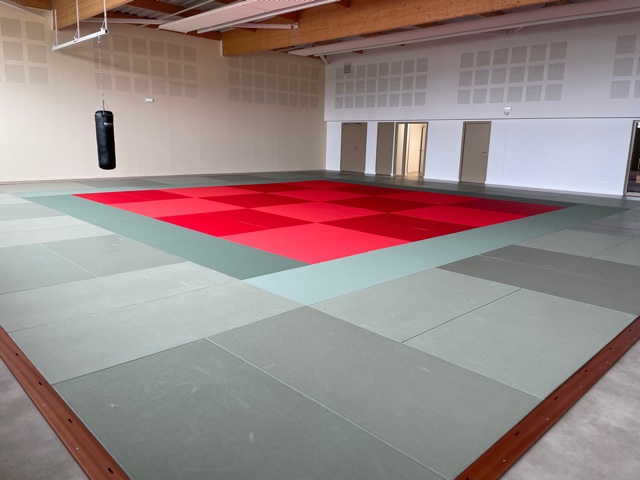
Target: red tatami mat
point(317, 220)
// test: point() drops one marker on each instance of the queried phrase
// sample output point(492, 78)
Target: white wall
point(211, 114)
point(573, 89)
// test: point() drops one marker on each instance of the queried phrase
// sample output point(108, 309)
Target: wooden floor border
point(89, 454)
point(493, 463)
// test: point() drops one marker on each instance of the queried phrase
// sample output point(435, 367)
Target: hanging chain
point(101, 82)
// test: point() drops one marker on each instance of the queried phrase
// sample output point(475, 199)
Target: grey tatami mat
point(21, 211)
point(86, 344)
point(198, 412)
point(629, 219)
point(575, 242)
point(588, 267)
point(628, 252)
point(439, 414)
point(33, 266)
point(119, 182)
point(40, 306)
point(609, 230)
point(617, 296)
point(29, 450)
point(527, 340)
point(110, 254)
point(409, 306)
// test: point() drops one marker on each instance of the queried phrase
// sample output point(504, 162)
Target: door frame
point(464, 132)
point(635, 126)
point(423, 159)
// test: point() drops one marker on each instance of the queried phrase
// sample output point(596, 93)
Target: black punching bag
point(106, 140)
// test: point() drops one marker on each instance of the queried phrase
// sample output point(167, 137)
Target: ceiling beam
point(41, 4)
point(209, 35)
point(66, 9)
point(363, 16)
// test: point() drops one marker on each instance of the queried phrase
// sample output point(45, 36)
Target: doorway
point(475, 152)
point(353, 150)
point(384, 148)
point(411, 149)
point(633, 172)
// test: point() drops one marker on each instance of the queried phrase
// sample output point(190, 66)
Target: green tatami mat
point(110, 254)
point(151, 231)
point(40, 306)
point(616, 296)
point(527, 340)
point(628, 253)
point(21, 211)
point(577, 265)
point(437, 413)
point(323, 281)
point(199, 412)
point(86, 344)
point(32, 266)
point(230, 258)
point(409, 306)
point(576, 242)
point(46, 229)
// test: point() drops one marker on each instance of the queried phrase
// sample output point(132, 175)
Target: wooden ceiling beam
point(333, 21)
point(66, 9)
point(40, 4)
point(128, 16)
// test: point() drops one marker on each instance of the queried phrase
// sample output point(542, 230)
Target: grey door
point(353, 152)
point(633, 174)
point(475, 152)
point(384, 149)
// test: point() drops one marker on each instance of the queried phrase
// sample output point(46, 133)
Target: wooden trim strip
point(90, 455)
point(505, 452)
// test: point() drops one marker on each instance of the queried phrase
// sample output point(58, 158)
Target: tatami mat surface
point(306, 284)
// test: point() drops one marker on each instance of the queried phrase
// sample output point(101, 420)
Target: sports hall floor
point(344, 348)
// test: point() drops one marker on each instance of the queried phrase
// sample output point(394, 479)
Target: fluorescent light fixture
point(99, 33)
point(132, 21)
point(267, 26)
point(563, 13)
point(238, 13)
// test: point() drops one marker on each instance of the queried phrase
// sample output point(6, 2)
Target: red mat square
point(211, 225)
point(375, 226)
point(271, 187)
point(256, 217)
point(166, 208)
point(255, 200)
point(367, 189)
point(508, 207)
point(319, 195)
point(203, 192)
point(428, 197)
point(464, 216)
point(379, 204)
point(318, 220)
point(322, 184)
point(318, 211)
point(314, 243)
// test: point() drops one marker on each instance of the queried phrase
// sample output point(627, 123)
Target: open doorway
point(633, 175)
point(411, 149)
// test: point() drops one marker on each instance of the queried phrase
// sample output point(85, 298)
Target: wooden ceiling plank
point(332, 21)
point(66, 9)
point(209, 35)
point(40, 4)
